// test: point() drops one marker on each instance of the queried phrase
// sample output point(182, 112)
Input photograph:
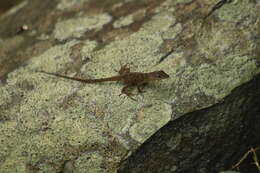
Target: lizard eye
point(159, 75)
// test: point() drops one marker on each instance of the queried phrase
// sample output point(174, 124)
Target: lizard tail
point(113, 78)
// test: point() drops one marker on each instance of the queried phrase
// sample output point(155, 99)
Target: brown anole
point(128, 78)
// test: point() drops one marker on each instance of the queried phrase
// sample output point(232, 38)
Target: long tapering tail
point(113, 78)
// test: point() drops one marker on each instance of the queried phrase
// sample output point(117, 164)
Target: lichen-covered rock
point(50, 124)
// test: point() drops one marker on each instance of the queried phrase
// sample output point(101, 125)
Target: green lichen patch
point(129, 19)
point(238, 10)
point(181, 1)
point(220, 80)
point(90, 161)
point(218, 43)
point(77, 26)
point(149, 119)
point(207, 84)
point(44, 134)
point(56, 124)
point(66, 4)
point(172, 32)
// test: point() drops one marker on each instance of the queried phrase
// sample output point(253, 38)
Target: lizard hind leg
point(140, 89)
point(141, 86)
point(128, 94)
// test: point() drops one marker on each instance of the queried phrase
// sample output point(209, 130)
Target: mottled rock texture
point(204, 117)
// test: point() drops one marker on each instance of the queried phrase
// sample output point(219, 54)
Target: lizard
point(128, 78)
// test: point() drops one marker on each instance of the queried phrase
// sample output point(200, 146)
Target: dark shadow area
point(208, 140)
point(7, 4)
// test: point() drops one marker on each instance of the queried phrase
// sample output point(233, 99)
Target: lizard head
point(157, 75)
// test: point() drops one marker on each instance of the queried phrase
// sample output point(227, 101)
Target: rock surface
point(49, 124)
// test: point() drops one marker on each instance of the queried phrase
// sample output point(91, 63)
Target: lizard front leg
point(140, 89)
point(124, 91)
